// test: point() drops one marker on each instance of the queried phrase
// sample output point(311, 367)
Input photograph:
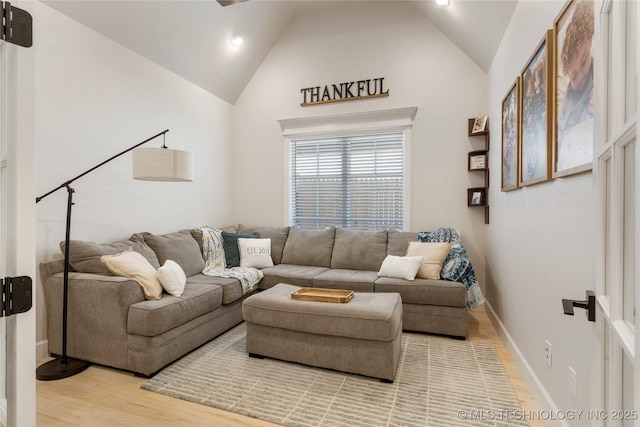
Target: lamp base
point(56, 370)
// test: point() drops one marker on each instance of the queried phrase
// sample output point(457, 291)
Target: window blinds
point(352, 182)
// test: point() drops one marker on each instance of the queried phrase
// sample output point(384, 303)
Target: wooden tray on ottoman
point(322, 295)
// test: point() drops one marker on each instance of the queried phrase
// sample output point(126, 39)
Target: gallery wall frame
point(536, 100)
point(511, 137)
point(574, 133)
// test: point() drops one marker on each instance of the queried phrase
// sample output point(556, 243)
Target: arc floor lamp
point(150, 164)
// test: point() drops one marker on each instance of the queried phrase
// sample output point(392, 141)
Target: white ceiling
point(192, 38)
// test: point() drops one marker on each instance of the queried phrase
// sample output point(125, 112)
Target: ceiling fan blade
point(229, 2)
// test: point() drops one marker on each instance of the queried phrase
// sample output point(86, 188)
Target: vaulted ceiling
point(192, 38)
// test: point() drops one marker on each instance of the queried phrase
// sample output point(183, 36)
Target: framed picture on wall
point(536, 135)
point(574, 132)
point(511, 137)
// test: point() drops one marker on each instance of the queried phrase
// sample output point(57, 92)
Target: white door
point(617, 169)
point(17, 235)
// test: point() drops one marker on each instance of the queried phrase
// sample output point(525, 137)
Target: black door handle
point(589, 304)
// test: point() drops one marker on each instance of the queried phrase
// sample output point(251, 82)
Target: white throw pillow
point(434, 254)
point(132, 264)
point(172, 278)
point(255, 253)
point(400, 267)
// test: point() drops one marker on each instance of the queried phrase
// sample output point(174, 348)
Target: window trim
point(349, 124)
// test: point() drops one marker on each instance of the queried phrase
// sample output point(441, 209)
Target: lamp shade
point(162, 164)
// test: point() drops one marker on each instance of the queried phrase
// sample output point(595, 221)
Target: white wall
point(96, 99)
point(541, 240)
point(421, 68)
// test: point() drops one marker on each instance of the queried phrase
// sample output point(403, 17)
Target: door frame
point(19, 105)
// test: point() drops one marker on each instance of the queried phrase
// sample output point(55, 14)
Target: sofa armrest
point(98, 308)
point(48, 269)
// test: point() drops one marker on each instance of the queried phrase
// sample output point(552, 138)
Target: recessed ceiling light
point(237, 39)
point(443, 2)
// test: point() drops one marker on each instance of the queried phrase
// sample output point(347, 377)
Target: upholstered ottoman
point(362, 336)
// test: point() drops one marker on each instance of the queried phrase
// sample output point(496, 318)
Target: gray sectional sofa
point(111, 323)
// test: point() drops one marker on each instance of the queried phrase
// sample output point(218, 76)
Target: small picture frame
point(477, 161)
point(479, 125)
point(477, 196)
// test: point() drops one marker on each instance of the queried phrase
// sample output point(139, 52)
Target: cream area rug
point(439, 382)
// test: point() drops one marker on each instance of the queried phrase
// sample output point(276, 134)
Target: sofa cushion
point(359, 250)
point(255, 253)
point(179, 247)
point(400, 267)
point(131, 264)
point(299, 275)
point(151, 318)
point(231, 249)
point(433, 254)
point(398, 241)
point(354, 280)
point(231, 288)
point(172, 278)
point(278, 236)
point(422, 291)
point(84, 256)
point(309, 247)
point(367, 316)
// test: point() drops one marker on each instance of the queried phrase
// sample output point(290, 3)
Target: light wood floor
point(102, 396)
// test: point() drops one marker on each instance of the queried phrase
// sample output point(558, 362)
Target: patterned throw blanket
point(216, 265)
point(457, 266)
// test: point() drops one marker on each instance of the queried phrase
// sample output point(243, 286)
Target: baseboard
point(544, 400)
point(42, 350)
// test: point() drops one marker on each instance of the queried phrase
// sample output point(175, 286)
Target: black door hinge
point(17, 25)
point(16, 295)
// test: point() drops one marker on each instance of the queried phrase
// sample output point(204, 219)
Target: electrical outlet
point(547, 352)
point(572, 382)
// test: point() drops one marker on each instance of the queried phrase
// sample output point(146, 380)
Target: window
point(354, 182)
point(349, 170)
